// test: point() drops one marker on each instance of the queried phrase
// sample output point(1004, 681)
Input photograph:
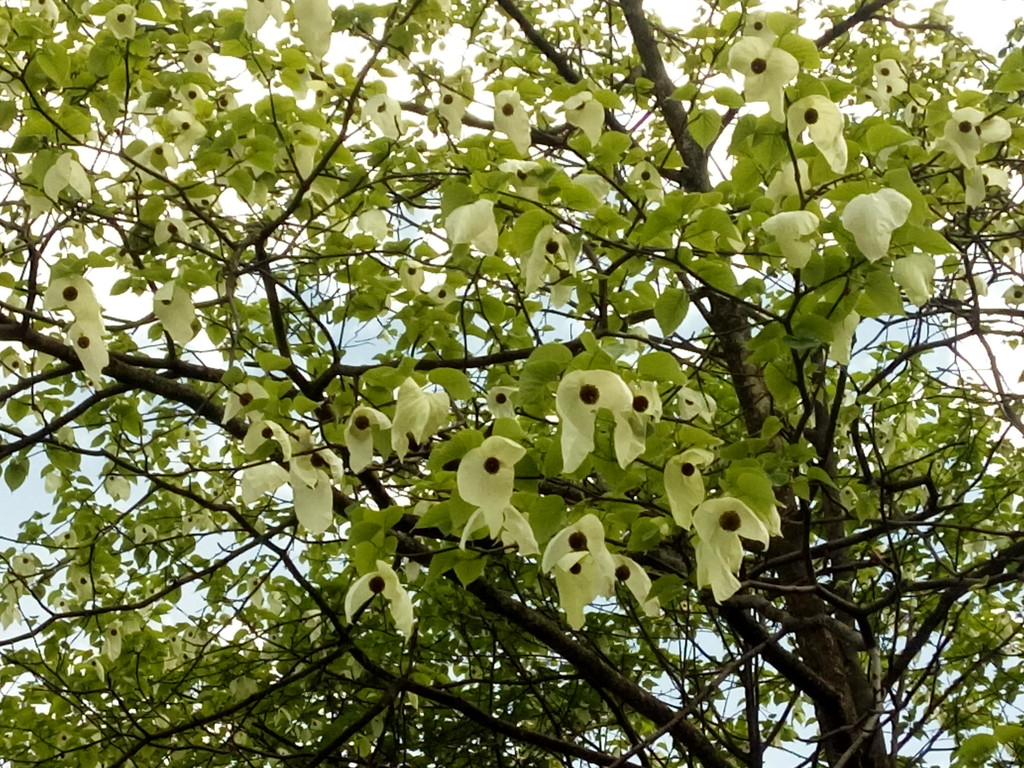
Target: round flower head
point(511, 119)
point(824, 122)
point(383, 581)
point(359, 432)
point(720, 524)
point(586, 113)
point(684, 484)
point(583, 566)
point(871, 219)
point(766, 72)
point(580, 395)
point(794, 231)
point(385, 113)
point(474, 223)
point(967, 132)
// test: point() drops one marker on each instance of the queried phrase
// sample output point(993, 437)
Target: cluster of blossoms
point(75, 294)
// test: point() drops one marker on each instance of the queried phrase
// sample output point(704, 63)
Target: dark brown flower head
point(729, 521)
point(589, 394)
point(362, 421)
point(491, 465)
point(377, 584)
point(622, 572)
point(758, 66)
point(641, 404)
point(70, 293)
point(578, 541)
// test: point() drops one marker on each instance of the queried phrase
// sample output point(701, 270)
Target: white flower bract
point(360, 428)
point(474, 223)
point(580, 395)
point(794, 231)
point(872, 218)
point(766, 72)
point(821, 118)
point(511, 119)
point(383, 581)
point(418, 414)
point(720, 524)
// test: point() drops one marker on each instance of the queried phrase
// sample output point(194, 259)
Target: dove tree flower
point(684, 483)
point(385, 113)
point(628, 572)
point(411, 275)
point(789, 180)
point(766, 72)
point(720, 524)
point(362, 427)
point(795, 232)
point(501, 401)
point(551, 251)
point(915, 274)
point(889, 82)
point(633, 423)
point(692, 404)
point(584, 568)
point(310, 474)
point(451, 108)
point(418, 415)
point(646, 175)
point(383, 581)
point(970, 130)
point(258, 11)
point(485, 479)
point(173, 307)
point(75, 293)
point(87, 341)
point(586, 113)
point(511, 119)
point(871, 218)
point(242, 396)
point(580, 395)
point(121, 21)
point(474, 223)
point(1014, 295)
point(821, 118)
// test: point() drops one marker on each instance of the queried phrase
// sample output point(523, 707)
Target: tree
point(510, 383)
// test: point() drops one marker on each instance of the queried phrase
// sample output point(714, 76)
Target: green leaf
point(670, 309)
point(16, 471)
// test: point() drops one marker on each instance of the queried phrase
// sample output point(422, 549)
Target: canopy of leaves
point(440, 383)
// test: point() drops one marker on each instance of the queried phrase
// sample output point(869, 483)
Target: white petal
point(173, 307)
point(261, 479)
point(314, 506)
point(486, 476)
point(474, 223)
point(915, 274)
point(314, 24)
point(684, 484)
point(793, 230)
point(871, 219)
point(511, 119)
point(586, 113)
point(579, 396)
